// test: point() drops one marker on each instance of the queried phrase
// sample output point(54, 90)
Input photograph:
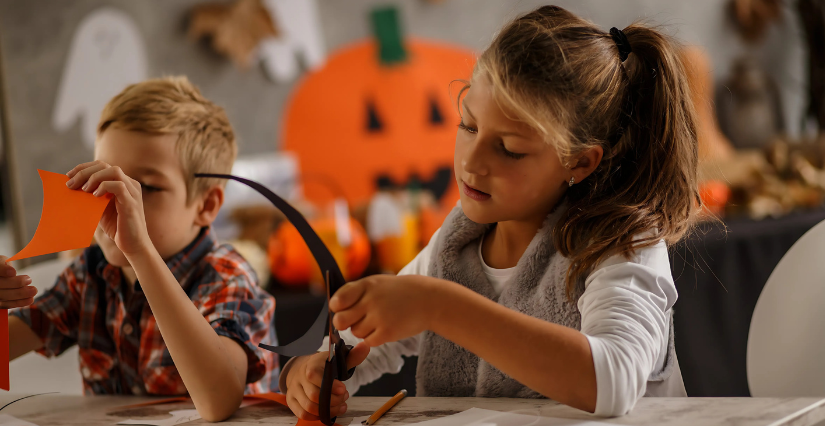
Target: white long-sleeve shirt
point(625, 310)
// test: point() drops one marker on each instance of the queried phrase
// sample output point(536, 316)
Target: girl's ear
point(209, 205)
point(585, 163)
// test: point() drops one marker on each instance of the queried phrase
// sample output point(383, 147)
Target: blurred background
point(347, 108)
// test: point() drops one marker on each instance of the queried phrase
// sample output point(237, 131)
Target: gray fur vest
point(536, 288)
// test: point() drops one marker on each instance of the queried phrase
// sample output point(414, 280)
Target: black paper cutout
point(311, 341)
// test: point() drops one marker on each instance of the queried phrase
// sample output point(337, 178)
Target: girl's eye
point(466, 128)
point(149, 188)
point(512, 154)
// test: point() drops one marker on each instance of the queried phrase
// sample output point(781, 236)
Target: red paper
point(68, 220)
point(4, 349)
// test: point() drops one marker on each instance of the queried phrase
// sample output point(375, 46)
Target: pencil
point(384, 408)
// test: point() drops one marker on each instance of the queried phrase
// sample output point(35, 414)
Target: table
point(53, 410)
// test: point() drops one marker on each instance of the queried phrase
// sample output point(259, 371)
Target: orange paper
point(68, 220)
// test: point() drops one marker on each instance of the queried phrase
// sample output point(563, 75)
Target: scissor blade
point(333, 333)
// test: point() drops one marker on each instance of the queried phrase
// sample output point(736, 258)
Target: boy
point(135, 304)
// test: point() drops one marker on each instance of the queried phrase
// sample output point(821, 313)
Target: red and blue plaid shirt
point(121, 348)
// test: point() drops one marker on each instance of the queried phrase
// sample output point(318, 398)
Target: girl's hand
point(123, 221)
point(303, 384)
point(387, 308)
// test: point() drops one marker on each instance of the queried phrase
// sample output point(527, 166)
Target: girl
point(576, 156)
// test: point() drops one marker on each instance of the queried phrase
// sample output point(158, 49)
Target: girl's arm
point(603, 369)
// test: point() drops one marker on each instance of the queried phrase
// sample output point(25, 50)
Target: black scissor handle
point(336, 368)
point(325, 399)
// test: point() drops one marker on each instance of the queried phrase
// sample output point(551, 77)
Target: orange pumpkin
point(359, 119)
point(292, 263)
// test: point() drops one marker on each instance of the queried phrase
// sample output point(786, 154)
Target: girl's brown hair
point(565, 77)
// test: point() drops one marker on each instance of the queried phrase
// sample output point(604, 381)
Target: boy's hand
point(398, 307)
point(303, 384)
point(123, 221)
point(15, 290)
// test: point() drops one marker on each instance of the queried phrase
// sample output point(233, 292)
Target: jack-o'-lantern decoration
point(292, 264)
point(381, 110)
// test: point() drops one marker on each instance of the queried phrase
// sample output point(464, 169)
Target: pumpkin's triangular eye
point(435, 113)
point(373, 121)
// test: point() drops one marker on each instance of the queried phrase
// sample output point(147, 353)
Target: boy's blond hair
point(173, 105)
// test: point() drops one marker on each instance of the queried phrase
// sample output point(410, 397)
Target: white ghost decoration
point(299, 28)
point(107, 54)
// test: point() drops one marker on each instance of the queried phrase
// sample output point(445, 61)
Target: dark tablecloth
point(719, 272)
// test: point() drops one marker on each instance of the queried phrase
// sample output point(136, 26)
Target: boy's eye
point(467, 128)
point(149, 188)
point(512, 154)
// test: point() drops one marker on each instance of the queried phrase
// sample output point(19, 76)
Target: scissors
point(335, 366)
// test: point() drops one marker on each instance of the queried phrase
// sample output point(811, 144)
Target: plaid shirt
point(121, 348)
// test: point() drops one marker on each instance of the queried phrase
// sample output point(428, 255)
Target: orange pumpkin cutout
point(363, 117)
point(292, 264)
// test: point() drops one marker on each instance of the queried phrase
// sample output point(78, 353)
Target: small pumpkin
point(380, 110)
point(292, 264)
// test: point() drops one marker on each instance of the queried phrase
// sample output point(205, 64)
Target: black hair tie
point(621, 42)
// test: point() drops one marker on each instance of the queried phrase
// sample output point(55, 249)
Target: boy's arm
point(212, 367)
point(22, 339)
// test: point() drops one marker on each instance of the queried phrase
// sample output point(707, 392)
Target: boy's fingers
point(14, 282)
point(347, 296)
point(82, 176)
point(80, 167)
point(18, 293)
point(116, 188)
point(6, 270)
point(10, 304)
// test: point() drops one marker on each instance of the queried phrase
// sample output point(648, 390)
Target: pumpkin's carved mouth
point(438, 183)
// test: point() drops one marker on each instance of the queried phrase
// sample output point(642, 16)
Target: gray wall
point(35, 37)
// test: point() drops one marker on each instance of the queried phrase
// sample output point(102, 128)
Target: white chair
point(33, 373)
point(786, 343)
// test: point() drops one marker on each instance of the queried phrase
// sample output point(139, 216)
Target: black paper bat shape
point(336, 364)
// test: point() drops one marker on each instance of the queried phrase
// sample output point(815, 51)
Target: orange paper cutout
point(68, 220)
point(4, 349)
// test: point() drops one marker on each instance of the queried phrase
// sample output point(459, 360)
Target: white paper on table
point(482, 417)
point(178, 417)
point(7, 420)
point(356, 421)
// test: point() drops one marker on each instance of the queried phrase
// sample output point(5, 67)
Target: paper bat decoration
point(67, 222)
point(312, 339)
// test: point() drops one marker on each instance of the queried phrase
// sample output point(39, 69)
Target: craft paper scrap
point(4, 349)
point(68, 220)
point(482, 417)
point(7, 420)
point(178, 417)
